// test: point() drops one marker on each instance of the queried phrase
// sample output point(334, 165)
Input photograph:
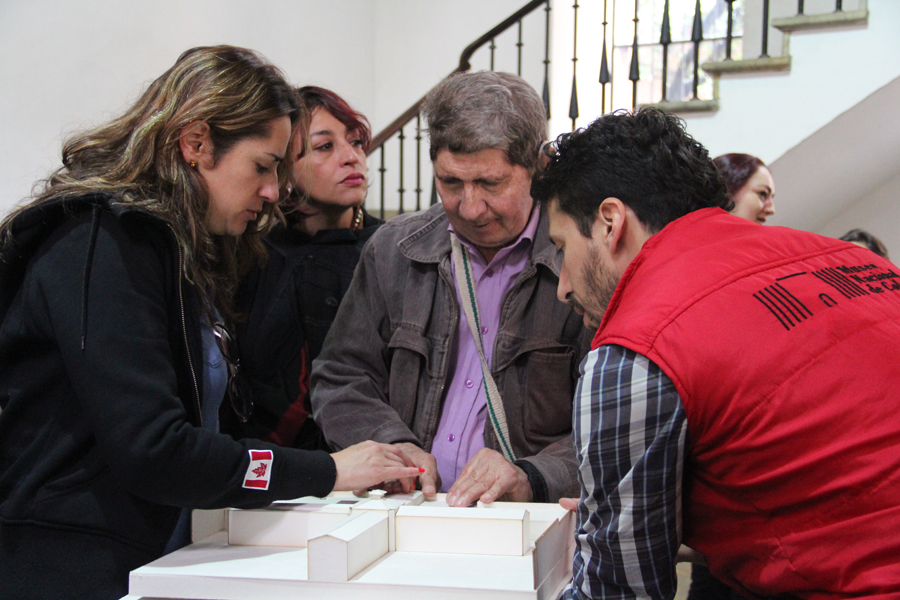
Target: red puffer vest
point(785, 349)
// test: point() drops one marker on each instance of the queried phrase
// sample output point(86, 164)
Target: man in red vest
point(741, 395)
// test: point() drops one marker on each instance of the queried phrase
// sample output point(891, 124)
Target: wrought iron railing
point(706, 43)
point(708, 39)
point(389, 145)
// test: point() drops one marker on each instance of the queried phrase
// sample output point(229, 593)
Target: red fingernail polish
point(421, 470)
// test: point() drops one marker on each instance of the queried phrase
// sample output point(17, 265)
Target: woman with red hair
point(750, 185)
point(291, 302)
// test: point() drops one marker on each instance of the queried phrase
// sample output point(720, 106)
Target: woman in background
point(750, 186)
point(293, 299)
point(863, 238)
point(116, 282)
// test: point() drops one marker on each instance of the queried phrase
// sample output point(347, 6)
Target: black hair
point(645, 159)
point(870, 241)
point(737, 169)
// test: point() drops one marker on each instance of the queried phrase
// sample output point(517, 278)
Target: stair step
point(835, 19)
point(687, 106)
point(750, 65)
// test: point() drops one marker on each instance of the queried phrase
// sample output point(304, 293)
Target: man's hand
point(487, 477)
point(569, 503)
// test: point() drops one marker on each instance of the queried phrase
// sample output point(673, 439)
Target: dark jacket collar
point(287, 234)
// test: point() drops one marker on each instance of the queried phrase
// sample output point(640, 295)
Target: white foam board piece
point(541, 515)
point(468, 576)
point(414, 498)
point(349, 547)
point(559, 576)
point(539, 511)
point(550, 548)
point(204, 523)
point(290, 525)
point(501, 532)
point(348, 498)
point(212, 569)
point(389, 505)
point(384, 508)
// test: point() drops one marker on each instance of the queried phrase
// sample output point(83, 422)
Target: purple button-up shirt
point(460, 433)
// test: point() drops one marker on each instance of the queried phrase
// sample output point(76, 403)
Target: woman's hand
point(370, 463)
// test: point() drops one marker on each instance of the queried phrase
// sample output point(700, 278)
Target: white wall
point(878, 213)
point(832, 70)
point(763, 114)
point(71, 65)
point(417, 44)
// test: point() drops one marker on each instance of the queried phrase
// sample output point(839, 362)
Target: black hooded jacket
point(100, 379)
point(290, 304)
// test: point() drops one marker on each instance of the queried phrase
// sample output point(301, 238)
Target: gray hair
point(470, 112)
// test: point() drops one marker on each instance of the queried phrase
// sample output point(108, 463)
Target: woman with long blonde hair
point(116, 285)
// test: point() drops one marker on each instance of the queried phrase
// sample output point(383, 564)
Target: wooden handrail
point(506, 24)
point(385, 134)
point(410, 113)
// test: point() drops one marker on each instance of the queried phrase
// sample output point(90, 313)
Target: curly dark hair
point(645, 159)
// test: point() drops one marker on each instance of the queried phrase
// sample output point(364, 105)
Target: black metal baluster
point(519, 45)
point(765, 30)
point(604, 67)
point(493, 47)
point(400, 190)
point(728, 35)
point(573, 101)
point(545, 95)
point(418, 162)
point(381, 171)
point(799, 7)
point(665, 38)
point(634, 74)
point(697, 37)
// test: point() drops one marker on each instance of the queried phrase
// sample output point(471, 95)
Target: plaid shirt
point(630, 430)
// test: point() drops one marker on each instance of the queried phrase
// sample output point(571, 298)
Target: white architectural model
point(377, 547)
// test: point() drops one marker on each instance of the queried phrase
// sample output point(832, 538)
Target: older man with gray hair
point(450, 342)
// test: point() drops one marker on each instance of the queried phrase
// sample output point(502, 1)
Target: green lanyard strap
point(470, 306)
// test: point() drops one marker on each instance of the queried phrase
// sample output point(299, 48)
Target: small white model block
point(343, 551)
point(541, 516)
point(388, 507)
point(290, 525)
point(205, 523)
point(343, 498)
point(502, 532)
